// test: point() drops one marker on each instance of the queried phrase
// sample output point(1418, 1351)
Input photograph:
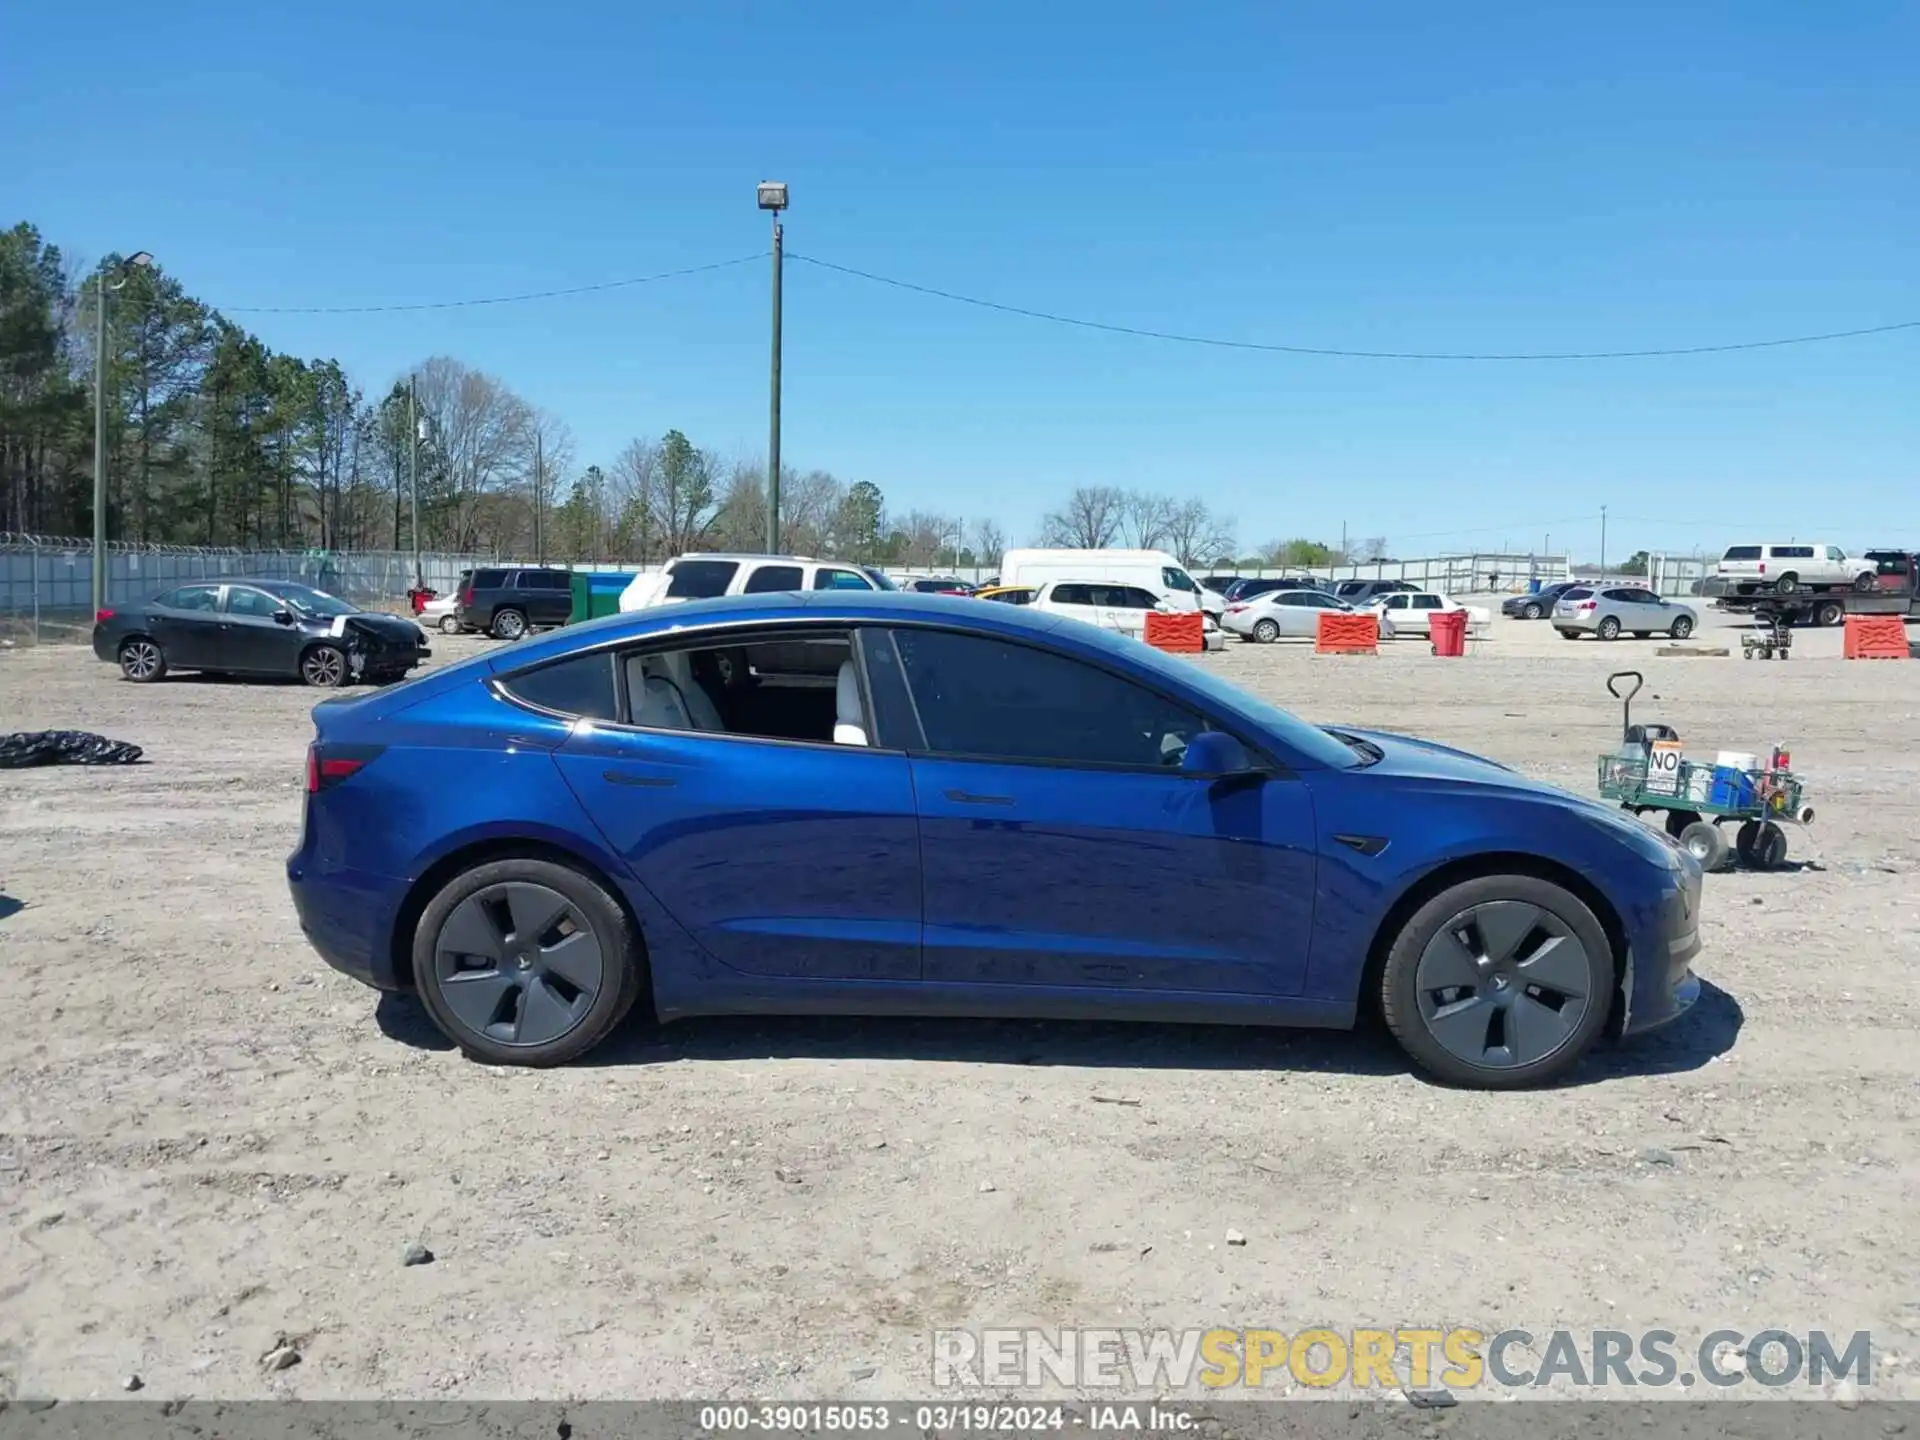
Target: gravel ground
point(211, 1145)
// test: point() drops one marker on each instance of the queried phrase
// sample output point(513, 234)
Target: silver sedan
point(1293, 613)
point(1608, 611)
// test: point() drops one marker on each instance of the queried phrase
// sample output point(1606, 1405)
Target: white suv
point(1794, 567)
point(706, 577)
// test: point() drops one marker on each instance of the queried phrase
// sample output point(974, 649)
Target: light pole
point(140, 259)
point(773, 196)
point(1603, 542)
point(419, 427)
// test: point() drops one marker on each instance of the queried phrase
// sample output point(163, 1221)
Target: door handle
point(967, 797)
point(629, 777)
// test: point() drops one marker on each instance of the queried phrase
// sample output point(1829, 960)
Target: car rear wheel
point(1681, 628)
point(1609, 629)
point(1787, 583)
point(1569, 634)
point(324, 667)
point(1266, 632)
point(449, 624)
point(525, 962)
point(142, 660)
point(1532, 612)
point(1499, 983)
point(509, 625)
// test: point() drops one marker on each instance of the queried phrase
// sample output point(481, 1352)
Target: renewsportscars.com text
point(1402, 1357)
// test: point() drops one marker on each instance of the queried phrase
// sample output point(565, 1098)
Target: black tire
point(1266, 631)
point(1569, 634)
point(1531, 611)
point(623, 970)
point(1608, 629)
point(1681, 628)
point(1761, 844)
point(1786, 584)
point(1406, 1006)
point(142, 660)
point(1865, 581)
point(509, 624)
point(1829, 613)
point(1678, 821)
point(1642, 634)
point(449, 624)
point(1705, 843)
point(324, 667)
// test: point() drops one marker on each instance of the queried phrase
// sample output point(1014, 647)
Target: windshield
point(879, 578)
point(317, 603)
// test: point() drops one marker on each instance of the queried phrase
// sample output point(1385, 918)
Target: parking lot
point(210, 1144)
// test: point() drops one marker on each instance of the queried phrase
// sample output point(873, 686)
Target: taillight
point(100, 617)
point(1763, 567)
point(1586, 605)
point(328, 765)
point(466, 597)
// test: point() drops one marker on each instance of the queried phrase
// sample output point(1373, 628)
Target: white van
point(1153, 570)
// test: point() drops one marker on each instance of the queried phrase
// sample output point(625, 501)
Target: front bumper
point(1662, 986)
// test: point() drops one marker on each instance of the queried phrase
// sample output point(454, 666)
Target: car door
point(1074, 600)
point(1420, 612)
point(779, 858)
point(1393, 613)
point(1061, 845)
point(1301, 610)
point(548, 596)
point(186, 623)
point(252, 642)
point(1130, 608)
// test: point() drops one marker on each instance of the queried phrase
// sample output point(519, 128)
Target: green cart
point(1648, 773)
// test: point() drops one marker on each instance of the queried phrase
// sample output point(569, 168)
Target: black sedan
point(258, 627)
point(1535, 604)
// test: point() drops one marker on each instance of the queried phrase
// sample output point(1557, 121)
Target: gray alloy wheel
point(509, 625)
point(142, 660)
point(1532, 611)
point(449, 624)
point(1609, 629)
point(1866, 581)
point(1682, 627)
point(324, 667)
point(1266, 632)
point(525, 962)
point(1500, 982)
point(1786, 584)
point(1705, 843)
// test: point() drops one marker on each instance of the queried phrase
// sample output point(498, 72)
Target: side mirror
point(283, 617)
point(1214, 752)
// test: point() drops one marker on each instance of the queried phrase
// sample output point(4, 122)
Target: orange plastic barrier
point(1347, 634)
point(1184, 634)
point(1876, 637)
point(1449, 631)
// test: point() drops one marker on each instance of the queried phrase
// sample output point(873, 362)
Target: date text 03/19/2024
point(954, 1417)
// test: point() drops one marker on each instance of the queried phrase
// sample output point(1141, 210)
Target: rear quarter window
point(701, 579)
point(1577, 592)
point(581, 687)
point(489, 579)
point(1742, 552)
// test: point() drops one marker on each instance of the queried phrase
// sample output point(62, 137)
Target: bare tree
point(1374, 549)
point(547, 455)
point(989, 542)
point(479, 428)
point(928, 537)
point(1090, 520)
point(809, 506)
point(1196, 535)
point(1143, 519)
point(630, 501)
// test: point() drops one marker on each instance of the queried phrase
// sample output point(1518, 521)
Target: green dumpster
point(596, 594)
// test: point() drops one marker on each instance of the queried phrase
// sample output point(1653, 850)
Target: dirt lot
point(208, 1141)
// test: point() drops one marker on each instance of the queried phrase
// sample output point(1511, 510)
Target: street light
point(419, 427)
point(139, 260)
point(773, 196)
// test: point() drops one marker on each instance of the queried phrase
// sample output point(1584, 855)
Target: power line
point(1225, 344)
point(488, 299)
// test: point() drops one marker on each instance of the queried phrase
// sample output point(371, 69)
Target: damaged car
point(258, 628)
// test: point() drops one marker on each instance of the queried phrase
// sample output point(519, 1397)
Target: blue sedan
point(895, 804)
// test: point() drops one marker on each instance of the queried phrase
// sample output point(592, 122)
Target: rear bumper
point(347, 916)
point(102, 644)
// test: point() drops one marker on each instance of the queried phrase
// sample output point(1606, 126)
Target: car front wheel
point(525, 962)
point(1533, 612)
point(1499, 983)
point(142, 660)
point(1682, 627)
point(324, 667)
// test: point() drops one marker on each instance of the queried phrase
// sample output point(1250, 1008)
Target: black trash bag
point(28, 748)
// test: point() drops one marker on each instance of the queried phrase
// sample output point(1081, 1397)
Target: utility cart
point(1650, 772)
point(1773, 643)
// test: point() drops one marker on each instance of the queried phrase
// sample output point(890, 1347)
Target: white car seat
point(849, 721)
point(666, 696)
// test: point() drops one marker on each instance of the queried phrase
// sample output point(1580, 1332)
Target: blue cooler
point(1731, 790)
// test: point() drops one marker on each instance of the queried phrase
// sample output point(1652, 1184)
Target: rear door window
point(1132, 597)
point(1793, 552)
point(191, 597)
point(768, 579)
point(1073, 595)
point(829, 578)
point(1577, 592)
point(701, 579)
point(1742, 552)
point(1426, 602)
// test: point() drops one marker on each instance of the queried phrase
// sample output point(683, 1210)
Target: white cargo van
point(1153, 570)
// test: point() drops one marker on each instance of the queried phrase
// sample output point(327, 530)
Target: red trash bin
point(1449, 631)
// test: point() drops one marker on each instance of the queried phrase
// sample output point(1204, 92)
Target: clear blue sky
point(1387, 176)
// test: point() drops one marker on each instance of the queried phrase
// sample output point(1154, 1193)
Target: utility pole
point(1603, 542)
point(413, 478)
point(773, 196)
point(539, 463)
point(142, 260)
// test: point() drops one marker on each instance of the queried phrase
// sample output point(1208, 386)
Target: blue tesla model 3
point(891, 804)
